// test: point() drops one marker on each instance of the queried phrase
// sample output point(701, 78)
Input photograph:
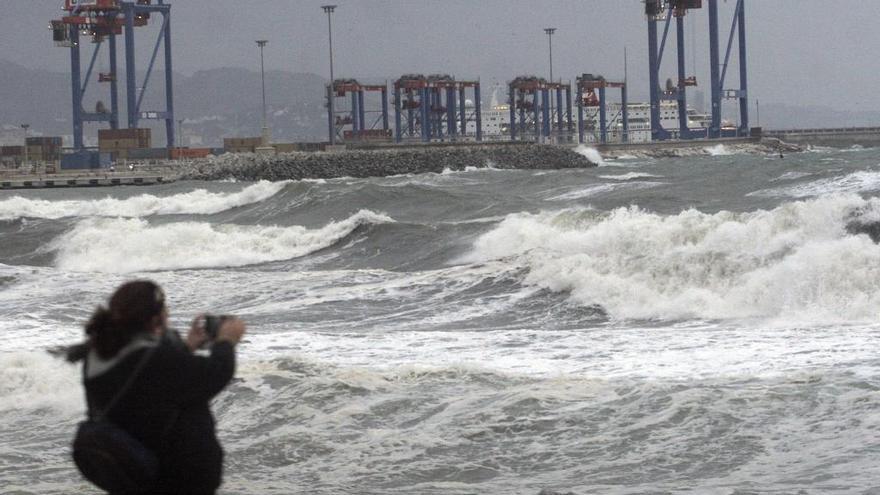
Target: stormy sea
point(703, 324)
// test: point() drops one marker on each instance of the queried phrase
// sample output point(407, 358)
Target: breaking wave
point(116, 245)
point(797, 261)
point(197, 202)
point(591, 154)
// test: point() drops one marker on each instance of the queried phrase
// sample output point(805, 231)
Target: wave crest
point(117, 245)
point(197, 202)
point(796, 261)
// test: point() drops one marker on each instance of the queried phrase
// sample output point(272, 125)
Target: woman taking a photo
point(146, 381)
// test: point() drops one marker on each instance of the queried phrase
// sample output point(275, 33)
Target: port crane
point(102, 21)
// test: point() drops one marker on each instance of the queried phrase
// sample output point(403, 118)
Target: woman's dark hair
point(131, 309)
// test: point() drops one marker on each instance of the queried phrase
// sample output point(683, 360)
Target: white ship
point(496, 120)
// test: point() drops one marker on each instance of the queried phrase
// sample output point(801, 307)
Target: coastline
point(381, 161)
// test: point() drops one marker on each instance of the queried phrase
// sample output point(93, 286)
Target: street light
point(26, 158)
point(261, 44)
point(758, 108)
point(550, 31)
point(329, 10)
point(179, 137)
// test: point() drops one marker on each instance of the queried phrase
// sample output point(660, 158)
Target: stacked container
point(120, 142)
point(43, 149)
point(242, 145)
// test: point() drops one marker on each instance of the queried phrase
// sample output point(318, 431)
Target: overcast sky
point(805, 52)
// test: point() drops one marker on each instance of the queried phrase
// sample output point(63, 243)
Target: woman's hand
point(196, 337)
point(231, 330)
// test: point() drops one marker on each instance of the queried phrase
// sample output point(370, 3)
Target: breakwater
point(392, 160)
point(678, 149)
point(381, 162)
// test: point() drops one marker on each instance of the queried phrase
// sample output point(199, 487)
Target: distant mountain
point(227, 102)
point(215, 103)
point(37, 97)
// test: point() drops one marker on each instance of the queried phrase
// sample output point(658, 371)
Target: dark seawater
point(707, 324)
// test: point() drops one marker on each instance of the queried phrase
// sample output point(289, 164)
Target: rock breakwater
point(381, 162)
point(677, 149)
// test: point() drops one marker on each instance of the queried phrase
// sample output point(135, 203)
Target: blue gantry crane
point(529, 99)
point(664, 11)
point(591, 94)
point(358, 124)
point(435, 108)
point(103, 21)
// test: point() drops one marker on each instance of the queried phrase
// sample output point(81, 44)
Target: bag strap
point(96, 414)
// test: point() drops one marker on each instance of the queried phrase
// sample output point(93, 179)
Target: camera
point(213, 323)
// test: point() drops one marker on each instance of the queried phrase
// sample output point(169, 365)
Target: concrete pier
point(833, 137)
point(13, 180)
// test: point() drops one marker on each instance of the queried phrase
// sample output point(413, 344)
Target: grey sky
point(805, 52)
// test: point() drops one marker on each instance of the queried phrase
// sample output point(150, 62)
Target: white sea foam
point(718, 150)
point(857, 182)
point(793, 175)
point(34, 380)
point(591, 154)
point(197, 202)
point(490, 165)
point(812, 148)
point(597, 189)
point(795, 261)
point(115, 245)
point(629, 176)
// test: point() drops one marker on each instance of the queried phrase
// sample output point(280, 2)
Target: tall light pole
point(758, 108)
point(550, 31)
point(179, 136)
point(265, 139)
point(25, 127)
point(332, 111)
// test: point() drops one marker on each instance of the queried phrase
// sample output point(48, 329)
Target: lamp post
point(26, 158)
point(550, 31)
point(758, 108)
point(332, 111)
point(265, 138)
point(179, 137)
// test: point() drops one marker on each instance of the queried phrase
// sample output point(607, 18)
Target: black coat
point(167, 408)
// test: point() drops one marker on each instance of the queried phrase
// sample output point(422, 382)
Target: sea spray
point(591, 154)
point(718, 150)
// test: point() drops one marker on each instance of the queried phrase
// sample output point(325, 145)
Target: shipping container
point(12, 151)
point(85, 160)
point(242, 145)
point(147, 153)
point(124, 138)
point(368, 135)
point(286, 147)
point(178, 153)
point(50, 142)
point(124, 133)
